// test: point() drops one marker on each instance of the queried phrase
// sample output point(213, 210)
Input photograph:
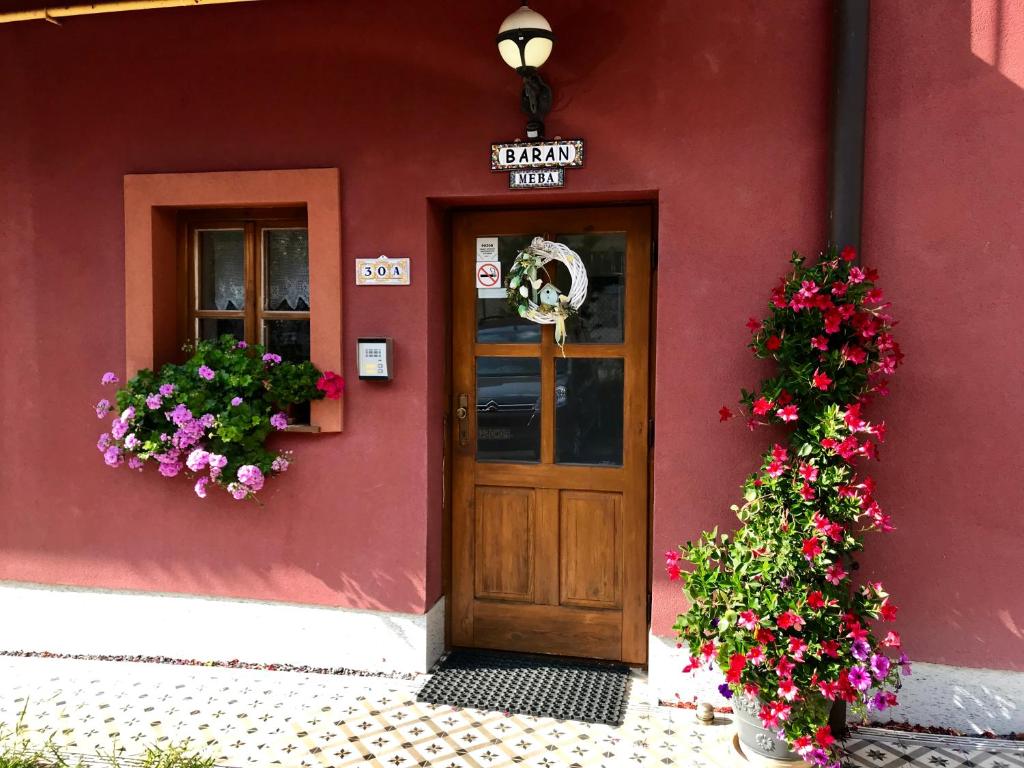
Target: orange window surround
point(153, 287)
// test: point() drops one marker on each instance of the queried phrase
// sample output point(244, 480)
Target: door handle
point(462, 415)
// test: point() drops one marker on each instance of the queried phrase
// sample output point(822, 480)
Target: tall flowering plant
point(774, 605)
point(210, 417)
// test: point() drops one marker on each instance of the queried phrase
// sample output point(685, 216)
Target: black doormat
point(521, 684)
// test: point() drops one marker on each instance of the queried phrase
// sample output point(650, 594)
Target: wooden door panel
point(548, 629)
point(504, 543)
point(551, 557)
point(591, 549)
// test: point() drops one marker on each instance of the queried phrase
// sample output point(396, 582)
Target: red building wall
point(717, 110)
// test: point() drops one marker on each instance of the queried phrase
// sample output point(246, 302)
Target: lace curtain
point(287, 269)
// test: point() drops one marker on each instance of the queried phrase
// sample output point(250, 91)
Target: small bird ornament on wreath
point(532, 293)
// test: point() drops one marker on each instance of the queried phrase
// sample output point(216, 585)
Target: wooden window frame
point(253, 223)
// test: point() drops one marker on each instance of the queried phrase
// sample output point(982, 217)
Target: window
point(161, 287)
point(249, 277)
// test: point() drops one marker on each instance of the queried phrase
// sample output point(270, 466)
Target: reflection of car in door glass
point(508, 408)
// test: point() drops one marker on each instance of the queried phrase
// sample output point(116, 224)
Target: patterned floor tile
point(257, 718)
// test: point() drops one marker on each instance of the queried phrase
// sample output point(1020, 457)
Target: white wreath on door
point(548, 251)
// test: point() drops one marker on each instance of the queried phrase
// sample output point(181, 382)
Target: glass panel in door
point(508, 409)
point(602, 318)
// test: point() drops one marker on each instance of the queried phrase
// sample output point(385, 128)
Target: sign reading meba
point(537, 164)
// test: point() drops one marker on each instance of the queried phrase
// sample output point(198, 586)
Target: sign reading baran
point(556, 153)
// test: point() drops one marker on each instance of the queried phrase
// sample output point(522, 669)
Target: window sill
point(309, 428)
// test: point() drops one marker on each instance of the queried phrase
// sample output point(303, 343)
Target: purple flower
point(879, 701)
point(238, 491)
point(207, 420)
point(206, 372)
point(134, 462)
point(280, 464)
point(279, 421)
point(784, 582)
point(271, 358)
point(118, 428)
point(112, 456)
point(166, 390)
point(904, 663)
point(241, 345)
point(860, 649)
point(131, 442)
point(236, 401)
point(879, 666)
point(250, 476)
point(104, 442)
point(109, 378)
point(817, 756)
point(102, 408)
point(197, 460)
point(128, 414)
point(153, 402)
point(859, 678)
point(200, 487)
point(180, 415)
point(170, 468)
point(725, 690)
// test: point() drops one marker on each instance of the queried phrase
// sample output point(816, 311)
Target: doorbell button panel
point(375, 358)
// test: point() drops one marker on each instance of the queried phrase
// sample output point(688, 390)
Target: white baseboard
point(970, 700)
point(107, 622)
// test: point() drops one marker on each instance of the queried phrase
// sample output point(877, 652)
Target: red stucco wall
point(719, 110)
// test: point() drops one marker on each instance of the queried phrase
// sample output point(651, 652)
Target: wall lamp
point(525, 41)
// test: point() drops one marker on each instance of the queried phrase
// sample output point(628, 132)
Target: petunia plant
point(210, 417)
point(774, 605)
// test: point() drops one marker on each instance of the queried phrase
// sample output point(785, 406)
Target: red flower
point(790, 619)
point(809, 472)
point(756, 655)
point(856, 275)
point(779, 452)
point(797, 648)
point(812, 548)
point(807, 492)
point(821, 380)
point(832, 321)
point(773, 343)
point(736, 663)
point(815, 599)
point(762, 406)
point(820, 342)
point(824, 737)
point(849, 253)
point(784, 668)
point(331, 384)
point(787, 413)
point(754, 325)
point(764, 636)
point(888, 611)
point(673, 571)
point(788, 690)
point(830, 648)
point(891, 640)
point(708, 650)
point(838, 289)
point(724, 414)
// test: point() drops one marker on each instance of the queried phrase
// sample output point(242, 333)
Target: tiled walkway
point(284, 718)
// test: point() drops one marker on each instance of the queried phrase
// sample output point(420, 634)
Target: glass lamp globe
point(525, 39)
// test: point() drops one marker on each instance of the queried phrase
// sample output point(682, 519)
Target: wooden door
point(549, 501)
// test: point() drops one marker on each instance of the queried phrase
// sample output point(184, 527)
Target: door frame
point(449, 215)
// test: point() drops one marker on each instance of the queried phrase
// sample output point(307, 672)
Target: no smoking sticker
point(488, 274)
